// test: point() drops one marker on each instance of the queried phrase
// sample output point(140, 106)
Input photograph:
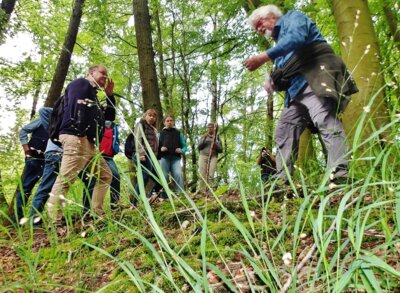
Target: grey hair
point(263, 12)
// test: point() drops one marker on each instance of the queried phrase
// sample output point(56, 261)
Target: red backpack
point(106, 145)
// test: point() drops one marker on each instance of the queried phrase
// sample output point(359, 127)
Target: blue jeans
point(50, 172)
point(33, 171)
point(172, 164)
point(115, 185)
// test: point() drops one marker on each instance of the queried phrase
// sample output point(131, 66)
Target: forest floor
point(128, 252)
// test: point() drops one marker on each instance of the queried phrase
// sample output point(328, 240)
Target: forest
point(186, 59)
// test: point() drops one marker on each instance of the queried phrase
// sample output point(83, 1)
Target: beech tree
point(65, 57)
point(360, 52)
point(6, 8)
point(147, 67)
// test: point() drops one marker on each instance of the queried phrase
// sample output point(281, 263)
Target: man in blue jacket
point(81, 129)
point(52, 160)
point(34, 159)
point(316, 82)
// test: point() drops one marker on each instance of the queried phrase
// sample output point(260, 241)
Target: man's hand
point(164, 149)
point(178, 150)
point(142, 158)
point(109, 89)
point(269, 87)
point(27, 150)
point(256, 61)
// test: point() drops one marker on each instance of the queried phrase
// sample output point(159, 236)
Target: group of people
point(168, 146)
point(86, 123)
point(58, 163)
point(317, 85)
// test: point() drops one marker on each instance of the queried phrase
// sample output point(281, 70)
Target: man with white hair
point(316, 82)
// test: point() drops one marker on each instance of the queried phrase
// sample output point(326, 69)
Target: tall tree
point(35, 101)
point(7, 7)
point(66, 52)
point(392, 22)
point(147, 67)
point(360, 52)
point(167, 95)
point(3, 201)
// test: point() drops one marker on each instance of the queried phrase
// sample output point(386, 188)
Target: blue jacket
point(45, 114)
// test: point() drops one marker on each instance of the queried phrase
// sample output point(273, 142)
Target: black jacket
point(83, 115)
point(324, 71)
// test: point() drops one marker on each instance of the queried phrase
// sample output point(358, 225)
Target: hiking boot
point(337, 182)
point(134, 205)
point(153, 197)
point(163, 195)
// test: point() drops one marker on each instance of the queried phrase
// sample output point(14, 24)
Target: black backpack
point(130, 146)
point(56, 120)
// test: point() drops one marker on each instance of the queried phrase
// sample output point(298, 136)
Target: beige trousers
point(79, 152)
point(203, 170)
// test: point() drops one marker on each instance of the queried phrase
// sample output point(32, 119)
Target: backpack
point(109, 144)
point(130, 146)
point(55, 121)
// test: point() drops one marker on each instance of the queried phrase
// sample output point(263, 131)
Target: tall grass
point(344, 239)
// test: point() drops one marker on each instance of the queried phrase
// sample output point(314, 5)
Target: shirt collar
point(92, 82)
point(277, 29)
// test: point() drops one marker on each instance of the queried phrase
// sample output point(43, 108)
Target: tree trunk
point(250, 5)
point(306, 150)
point(189, 130)
point(3, 201)
point(184, 131)
point(167, 97)
point(360, 52)
point(65, 57)
point(35, 101)
point(147, 67)
point(270, 122)
point(214, 80)
point(392, 22)
point(7, 7)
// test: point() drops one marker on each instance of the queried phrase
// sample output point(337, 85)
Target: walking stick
point(210, 155)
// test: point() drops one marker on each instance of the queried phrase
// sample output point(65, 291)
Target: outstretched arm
point(256, 61)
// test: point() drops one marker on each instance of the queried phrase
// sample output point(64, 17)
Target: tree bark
point(270, 122)
point(392, 22)
point(147, 67)
point(214, 79)
point(7, 7)
point(306, 150)
point(65, 57)
point(35, 101)
point(167, 97)
point(360, 52)
point(3, 201)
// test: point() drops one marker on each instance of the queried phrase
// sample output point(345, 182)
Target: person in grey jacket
point(209, 147)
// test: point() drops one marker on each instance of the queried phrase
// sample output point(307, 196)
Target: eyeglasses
point(103, 72)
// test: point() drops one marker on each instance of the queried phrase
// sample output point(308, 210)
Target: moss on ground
point(66, 258)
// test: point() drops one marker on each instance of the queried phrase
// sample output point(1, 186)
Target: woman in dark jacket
point(145, 128)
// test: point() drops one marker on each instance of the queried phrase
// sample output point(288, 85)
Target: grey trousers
point(203, 170)
point(308, 109)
